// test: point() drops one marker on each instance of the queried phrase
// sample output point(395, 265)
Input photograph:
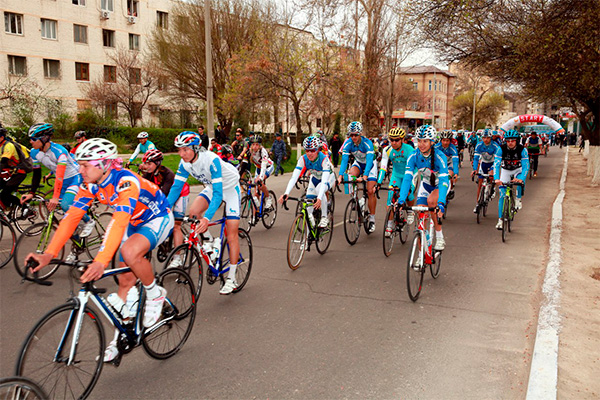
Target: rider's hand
point(317, 204)
point(127, 164)
point(282, 198)
point(93, 272)
point(5, 175)
point(365, 178)
point(202, 225)
point(498, 182)
point(53, 203)
point(26, 197)
point(42, 259)
point(441, 210)
point(517, 180)
point(340, 179)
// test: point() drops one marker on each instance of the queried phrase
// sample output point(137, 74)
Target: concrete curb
point(543, 376)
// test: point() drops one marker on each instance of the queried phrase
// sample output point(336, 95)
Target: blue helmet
point(512, 134)
point(187, 138)
point(312, 143)
point(486, 133)
point(426, 132)
point(355, 127)
point(40, 130)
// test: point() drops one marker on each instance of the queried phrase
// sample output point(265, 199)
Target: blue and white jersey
point(55, 156)
point(142, 149)
point(364, 154)
point(320, 169)
point(210, 170)
point(451, 154)
point(484, 153)
point(417, 162)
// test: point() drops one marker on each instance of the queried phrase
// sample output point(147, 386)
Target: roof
point(425, 69)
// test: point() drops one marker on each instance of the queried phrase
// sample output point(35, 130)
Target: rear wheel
point(352, 221)
point(436, 264)
point(415, 269)
point(20, 388)
point(29, 243)
point(324, 236)
point(297, 242)
point(29, 213)
point(480, 203)
point(388, 237)
point(270, 214)
point(246, 212)
point(8, 240)
point(244, 267)
point(189, 260)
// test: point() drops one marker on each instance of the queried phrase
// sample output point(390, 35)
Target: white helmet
point(142, 135)
point(96, 149)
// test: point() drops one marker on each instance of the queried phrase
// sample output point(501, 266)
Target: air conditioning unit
point(104, 14)
point(131, 19)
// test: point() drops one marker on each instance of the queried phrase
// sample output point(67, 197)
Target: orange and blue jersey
point(135, 201)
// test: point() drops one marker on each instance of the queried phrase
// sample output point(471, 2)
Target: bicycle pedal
point(116, 361)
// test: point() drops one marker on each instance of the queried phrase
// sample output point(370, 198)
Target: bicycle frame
point(258, 209)
point(193, 239)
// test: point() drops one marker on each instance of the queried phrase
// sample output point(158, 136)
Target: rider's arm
point(476, 157)
point(168, 180)
point(384, 163)
point(36, 178)
point(443, 178)
point(295, 175)
point(497, 163)
point(61, 167)
point(136, 152)
point(217, 186)
point(408, 177)
point(345, 156)
point(180, 179)
point(524, 165)
point(327, 168)
point(370, 157)
point(455, 161)
point(264, 162)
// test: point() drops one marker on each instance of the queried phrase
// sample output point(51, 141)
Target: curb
point(543, 376)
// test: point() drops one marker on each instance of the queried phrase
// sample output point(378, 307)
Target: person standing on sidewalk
point(335, 144)
point(203, 137)
point(279, 153)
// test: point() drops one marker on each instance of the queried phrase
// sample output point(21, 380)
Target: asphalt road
point(342, 325)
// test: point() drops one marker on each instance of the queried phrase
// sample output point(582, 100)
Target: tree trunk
point(296, 105)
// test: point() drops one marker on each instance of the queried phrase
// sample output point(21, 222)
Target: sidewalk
point(579, 346)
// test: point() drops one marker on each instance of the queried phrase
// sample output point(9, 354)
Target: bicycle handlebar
point(32, 264)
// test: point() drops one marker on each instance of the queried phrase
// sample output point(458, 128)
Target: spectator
point(335, 144)
point(203, 137)
point(220, 135)
point(279, 153)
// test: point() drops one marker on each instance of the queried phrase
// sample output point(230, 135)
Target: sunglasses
point(354, 135)
point(311, 151)
point(395, 140)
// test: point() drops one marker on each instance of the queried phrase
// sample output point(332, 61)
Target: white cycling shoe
point(499, 224)
point(88, 228)
point(153, 308)
point(440, 244)
point(229, 286)
point(323, 222)
point(175, 262)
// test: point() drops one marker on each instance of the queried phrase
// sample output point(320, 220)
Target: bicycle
point(195, 250)
point(65, 348)
point(251, 212)
point(20, 388)
point(356, 212)
point(398, 216)
point(38, 236)
point(422, 254)
point(25, 215)
point(8, 240)
point(508, 208)
point(303, 232)
point(485, 196)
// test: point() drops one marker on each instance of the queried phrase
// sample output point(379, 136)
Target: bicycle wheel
point(505, 218)
point(415, 268)
point(8, 240)
point(402, 225)
point(270, 214)
point(25, 215)
point(352, 222)
point(46, 350)
point(93, 242)
point(331, 200)
point(436, 265)
point(177, 320)
point(297, 241)
point(31, 244)
point(324, 236)
point(388, 239)
point(480, 203)
point(190, 261)
point(244, 267)
point(20, 388)
point(486, 199)
point(246, 213)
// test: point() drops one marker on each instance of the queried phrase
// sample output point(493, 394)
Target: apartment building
point(63, 45)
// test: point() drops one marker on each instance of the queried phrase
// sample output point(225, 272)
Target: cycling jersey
point(58, 160)
point(135, 201)
point(533, 145)
point(484, 153)
point(418, 162)
point(473, 140)
point(364, 155)
point(261, 161)
point(142, 149)
point(217, 149)
point(460, 141)
point(511, 160)
point(451, 156)
point(320, 170)
point(74, 149)
point(163, 177)
point(399, 159)
point(213, 172)
point(10, 156)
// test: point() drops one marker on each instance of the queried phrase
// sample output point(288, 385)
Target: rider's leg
point(372, 198)
point(432, 200)
point(232, 227)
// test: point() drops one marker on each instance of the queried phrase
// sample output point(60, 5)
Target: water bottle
point(216, 245)
point(361, 201)
point(207, 247)
point(428, 238)
point(256, 200)
point(118, 305)
point(133, 297)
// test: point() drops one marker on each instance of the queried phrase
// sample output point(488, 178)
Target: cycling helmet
point(80, 134)
point(142, 135)
point(512, 134)
point(255, 139)
point(187, 138)
point(486, 133)
point(397, 133)
point(153, 155)
point(426, 132)
point(311, 143)
point(96, 149)
point(40, 131)
point(355, 127)
point(495, 133)
point(226, 149)
point(446, 135)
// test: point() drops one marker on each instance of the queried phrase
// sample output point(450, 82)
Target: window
point(80, 33)
point(430, 86)
point(51, 68)
point(318, 122)
point(137, 110)
point(162, 19)
point(78, 2)
point(134, 42)
point(110, 73)
point(132, 8)
point(13, 23)
point(107, 5)
point(111, 110)
point(135, 76)
point(17, 65)
point(82, 71)
point(163, 83)
point(83, 104)
point(415, 106)
point(415, 85)
point(48, 29)
point(108, 38)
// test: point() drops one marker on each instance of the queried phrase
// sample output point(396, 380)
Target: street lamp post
point(209, 74)
point(474, 96)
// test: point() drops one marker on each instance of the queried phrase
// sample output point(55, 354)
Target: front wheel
point(324, 236)
point(415, 268)
point(505, 218)
point(20, 388)
point(29, 243)
point(270, 214)
point(352, 221)
point(436, 264)
point(245, 258)
point(8, 240)
point(29, 213)
point(389, 234)
point(187, 258)
point(46, 351)
point(297, 242)
point(246, 213)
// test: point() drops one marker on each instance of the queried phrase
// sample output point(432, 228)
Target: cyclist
point(140, 222)
point(511, 163)
point(11, 175)
point(460, 144)
point(472, 142)
point(483, 161)
point(58, 160)
point(143, 146)
point(264, 167)
point(533, 145)
point(222, 184)
point(364, 164)
point(164, 178)
point(241, 150)
point(431, 164)
point(445, 146)
point(408, 139)
point(80, 137)
point(216, 148)
point(397, 152)
point(321, 179)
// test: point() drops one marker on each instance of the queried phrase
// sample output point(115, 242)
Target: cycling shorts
point(231, 197)
point(396, 181)
point(180, 207)
point(508, 175)
point(372, 174)
point(423, 193)
point(157, 230)
point(314, 186)
point(268, 171)
point(484, 169)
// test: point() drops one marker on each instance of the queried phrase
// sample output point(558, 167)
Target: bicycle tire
point(93, 242)
point(191, 263)
point(402, 218)
point(414, 272)
point(244, 267)
point(480, 203)
point(269, 216)
point(168, 337)
point(324, 236)
point(246, 212)
point(297, 241)
point(365, 218)
point(352, 222)
point(388, 242)
point(44, 338)
point(35, 206)
point(21, 388)
point(505, 218)
point(30, 244)
point(8, 242)
point(436, 265)
point(331, 200)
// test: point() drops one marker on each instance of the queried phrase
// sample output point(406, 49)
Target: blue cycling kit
point(418, 162)
point(451, 154)
point(364, 154)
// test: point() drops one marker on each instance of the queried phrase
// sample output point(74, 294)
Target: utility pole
point(210, 128)
point(474, 105)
